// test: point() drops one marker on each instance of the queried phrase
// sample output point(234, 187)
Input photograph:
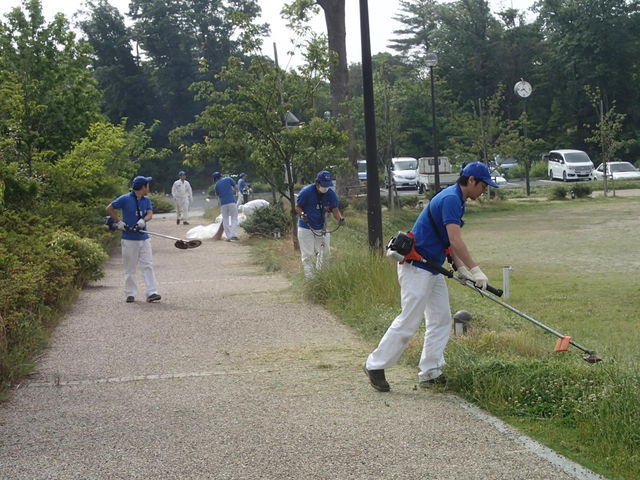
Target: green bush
point(582, 190)
point(265, 221)
point(35, 279)
point(87, 253)
point(161, 204)
point(538, 170)
point(515, 172)
point(559, 192)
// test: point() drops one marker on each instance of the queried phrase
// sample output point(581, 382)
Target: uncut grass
point(572, 271)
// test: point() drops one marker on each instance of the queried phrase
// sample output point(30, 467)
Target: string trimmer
point(402, 248)
point(180, 243)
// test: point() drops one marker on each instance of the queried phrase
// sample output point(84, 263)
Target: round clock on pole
point(522, 89)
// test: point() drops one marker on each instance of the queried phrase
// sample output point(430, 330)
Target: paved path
point(233, 376)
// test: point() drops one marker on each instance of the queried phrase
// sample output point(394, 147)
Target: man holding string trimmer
point(423, 290)
point(137, 210)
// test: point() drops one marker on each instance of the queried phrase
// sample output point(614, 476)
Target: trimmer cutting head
point(185, 244)
point(592, 358)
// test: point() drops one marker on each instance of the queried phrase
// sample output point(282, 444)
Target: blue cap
point(216, 175)
point(479, 171)
point(242, 175)
point(181, 172)
point(324, 178)
point(140, 182)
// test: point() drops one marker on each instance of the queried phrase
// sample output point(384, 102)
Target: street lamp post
point(431, 60)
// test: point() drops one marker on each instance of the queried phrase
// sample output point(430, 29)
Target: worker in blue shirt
point(137, 210)
point(423, 291)
point(243, 189)
point(313, 204)
point(226, 189)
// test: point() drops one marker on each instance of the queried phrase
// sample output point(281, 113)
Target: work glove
point(342, 221)
point(479, 278)
point(304, 218)
point(141, 224)
point(464, 273)
point(121, 225)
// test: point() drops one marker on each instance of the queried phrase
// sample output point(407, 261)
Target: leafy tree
point(178, 38)
point(48, 69)
point(606, 133)
point(298, 12)
point(126, 89)
point(249, 115)
point(589, 42)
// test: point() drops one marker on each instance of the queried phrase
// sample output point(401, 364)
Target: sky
point(381, 23)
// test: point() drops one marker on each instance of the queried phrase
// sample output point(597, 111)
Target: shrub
point(538, 170)
point(87, 253)
point(558, 192)
point(582, 190)
point(515, 172)
point(161, 204)
point(267, 220)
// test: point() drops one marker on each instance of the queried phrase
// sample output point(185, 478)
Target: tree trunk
point(339, 79)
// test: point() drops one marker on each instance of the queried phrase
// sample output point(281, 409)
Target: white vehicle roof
point(567, 150)
point(403, 158)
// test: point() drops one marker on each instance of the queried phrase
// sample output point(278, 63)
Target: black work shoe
point(130, 299)
point(439, 381)
point(376, 377)
point(154, 297)
point(178, 221)
point(185, 223)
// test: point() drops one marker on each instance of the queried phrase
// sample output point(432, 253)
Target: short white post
point(506, 281)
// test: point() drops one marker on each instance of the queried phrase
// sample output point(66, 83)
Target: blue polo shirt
point(133, 209)
point(446, 207)
point(314, 204)
point(241, 184)
point(224, 190)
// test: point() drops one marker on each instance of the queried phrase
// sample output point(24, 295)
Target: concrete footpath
point(233, 376)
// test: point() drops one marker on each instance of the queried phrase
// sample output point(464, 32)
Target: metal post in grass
point(374, 211)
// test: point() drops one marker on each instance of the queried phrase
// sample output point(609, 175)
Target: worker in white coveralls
point(423, 291)
point(313, 204)
point(137, 210)
point(183, 196)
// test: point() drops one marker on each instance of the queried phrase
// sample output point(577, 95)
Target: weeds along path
point(233, 376)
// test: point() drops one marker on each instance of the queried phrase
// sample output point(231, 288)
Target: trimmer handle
point(496, 291)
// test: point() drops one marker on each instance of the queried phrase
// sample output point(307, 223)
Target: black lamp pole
point(432, 61)
point(374, 211)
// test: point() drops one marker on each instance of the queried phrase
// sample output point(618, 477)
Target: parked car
point(403, 172)
point(497, 177)
point(617, 171)
point(362, 170)
point(505, 163)
point(568, 165)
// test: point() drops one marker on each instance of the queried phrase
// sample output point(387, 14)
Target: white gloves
point(479, 278)
point(141, 224)
point(121, 225)
point(464, 272)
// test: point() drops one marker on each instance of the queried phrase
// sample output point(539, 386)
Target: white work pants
point(423, 296)
point(182, 208)
point(229, 213)
point(310, 248)
point(138, 253)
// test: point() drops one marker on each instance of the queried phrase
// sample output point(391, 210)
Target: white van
point(403, 172)
point(568, 165)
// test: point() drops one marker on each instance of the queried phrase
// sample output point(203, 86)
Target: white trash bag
point(250, 207)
